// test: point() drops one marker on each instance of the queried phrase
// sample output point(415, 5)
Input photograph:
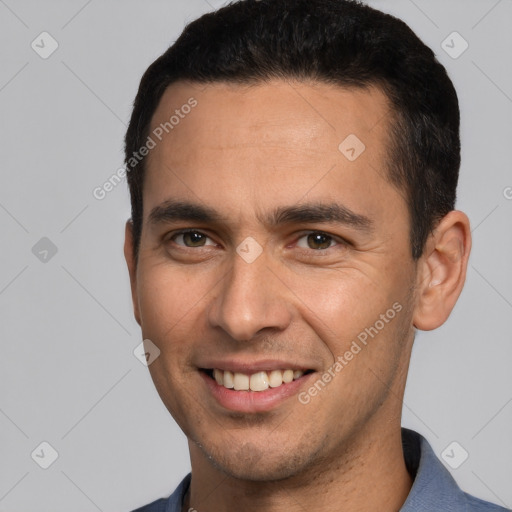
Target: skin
point(245, 151)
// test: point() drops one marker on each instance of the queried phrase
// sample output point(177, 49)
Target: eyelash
point(337, 240)
point(184, 232)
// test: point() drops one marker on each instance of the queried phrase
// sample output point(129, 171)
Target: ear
point(132, 267)
point(442, 271)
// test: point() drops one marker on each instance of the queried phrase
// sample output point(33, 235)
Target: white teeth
point(287, 375)
point(228, 380)
point(259, 381)
point(275, 378)
point(219, 376)
point(241, 382)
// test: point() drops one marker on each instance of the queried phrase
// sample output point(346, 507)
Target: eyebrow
point(309, 213)
point(318, 213)
point(170, 211)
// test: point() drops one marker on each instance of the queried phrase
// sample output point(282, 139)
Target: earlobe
point(132, 267)
point(443, 271)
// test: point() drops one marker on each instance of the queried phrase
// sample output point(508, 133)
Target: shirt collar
point(433, 487)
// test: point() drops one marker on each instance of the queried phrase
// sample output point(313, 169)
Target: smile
point(257, 381)
point(253, 386)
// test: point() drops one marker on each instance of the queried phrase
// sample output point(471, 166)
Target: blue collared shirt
point(433, 490)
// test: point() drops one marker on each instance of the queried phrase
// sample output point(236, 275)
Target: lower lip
point(253, 401)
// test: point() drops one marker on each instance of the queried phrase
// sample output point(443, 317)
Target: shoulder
point(171, 504)
point(477, 505)
point(434, 487)
point(156, 506)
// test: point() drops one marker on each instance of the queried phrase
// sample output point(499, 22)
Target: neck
point(368, 475)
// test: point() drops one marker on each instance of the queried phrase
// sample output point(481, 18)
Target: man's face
point(304, 251)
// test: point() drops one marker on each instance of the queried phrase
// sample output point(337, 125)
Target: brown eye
point(191, 239)
point(316, 241)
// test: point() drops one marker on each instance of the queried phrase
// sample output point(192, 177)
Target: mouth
point(255, 390)
point(257, 381)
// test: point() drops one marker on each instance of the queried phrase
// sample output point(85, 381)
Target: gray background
point(68, 375)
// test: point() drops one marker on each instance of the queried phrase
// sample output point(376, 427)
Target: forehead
point(277, 140)
point(263, 108)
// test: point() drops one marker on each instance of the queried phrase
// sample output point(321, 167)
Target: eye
point(191, 239)
point(317, 241)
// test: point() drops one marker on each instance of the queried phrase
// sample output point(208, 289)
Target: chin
point(252, 462)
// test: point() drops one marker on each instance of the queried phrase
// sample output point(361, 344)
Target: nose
point(250, 298)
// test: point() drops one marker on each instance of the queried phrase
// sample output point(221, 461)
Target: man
point(292, 168)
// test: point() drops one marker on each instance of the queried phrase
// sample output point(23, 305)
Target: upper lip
point(253, 366)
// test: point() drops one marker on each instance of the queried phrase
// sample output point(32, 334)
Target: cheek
point(169, 304)
point(166, 298)
point(166, 306)
point(341, 304)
